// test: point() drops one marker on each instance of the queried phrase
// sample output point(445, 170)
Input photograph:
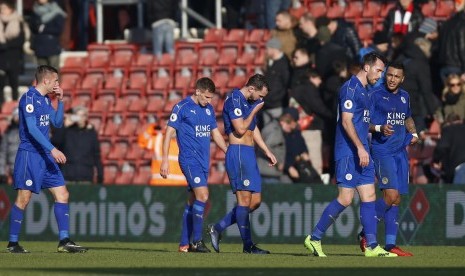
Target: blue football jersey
point(353, 98)
point(236, 106)
point(389, 109)
point(193, 124)
point(33, 104)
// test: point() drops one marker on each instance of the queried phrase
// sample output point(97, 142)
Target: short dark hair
point(43, 70)
point(397, 65)
point(258, 81)
point(370, 58)
point(205, 84)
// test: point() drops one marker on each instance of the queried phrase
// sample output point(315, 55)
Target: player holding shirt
point(240, 125)
point(393, 129)
point(193, 122)
point(36, 161)
point(354, 168)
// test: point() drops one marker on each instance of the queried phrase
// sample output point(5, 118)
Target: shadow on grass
point(126, 249)
point(234, 271)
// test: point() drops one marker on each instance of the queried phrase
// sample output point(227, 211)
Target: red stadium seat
point(105, 147)
point(143, 61)
point(123, 55)
point(429, 8)
point(142, 176)
point(118, 150)
point(386, 7)
point(97, 120)
point(365, 30)
point(99, 55)
point(110, 171)
point(126, 174)
point(228, 54)
point(236, 35)
point(8, 107)
point(354, 9)
point(215, 35)
point(372, 9)
point(335, 10)
point(317, 8)
point(155, 103)
point(445, 8)
point(208, 54)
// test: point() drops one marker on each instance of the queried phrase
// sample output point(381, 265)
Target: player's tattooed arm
point(410, 125)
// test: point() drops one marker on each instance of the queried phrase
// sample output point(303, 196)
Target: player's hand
point(58, 92)
point(415, 140)
point(258, 104)
point(387, 130)
point(272, 158)
point(59, 157)
point(164, 168)
point(293, 173)
point(363, 156)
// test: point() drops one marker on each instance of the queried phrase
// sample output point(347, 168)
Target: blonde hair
point(447, 88)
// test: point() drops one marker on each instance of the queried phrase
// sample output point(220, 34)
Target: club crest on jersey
point(197, 180)
point(29, 108)
point(238, 112)
point(173, 117)
point(349, 176)
point(403, 99)
point(246, 182)
point(208, 112)
point(385, 180)
point(348, 104)
point(28, 182)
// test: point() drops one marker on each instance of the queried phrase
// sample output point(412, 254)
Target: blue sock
point(243, 222)
point(391, 226)
point(226, 221)
point(330, 214)
point(369, 222)
point(62, 216)
point(197, 220)
point(381, 208)
point(16, 218)
point(186, 230)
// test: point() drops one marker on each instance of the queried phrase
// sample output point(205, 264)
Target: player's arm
point(410, 126)
point(258, 139)
point(241, 125)
point(219, 140)
point(57, 116)
point(164, 168)
point(349, 128)
point(44, 142)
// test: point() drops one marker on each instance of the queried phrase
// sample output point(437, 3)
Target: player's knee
point(254, 206)
point(392, 199)
point(202, 198)
point(63, 196)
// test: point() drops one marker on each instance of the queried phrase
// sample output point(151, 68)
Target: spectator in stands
point(313, 113)
point(380, 45)
point(404, 17)
point(449, 154)
point(453, 97)
point(151, 139)
point(297, 163)
point(328, 53)
point(415, 57)
point(452, 43)
point(272, 136)
point(284, 32)
point(161, 15)
point(300, 65)
point(78, 140)
point(46, 23)
point(272, 9)
point(308, 38)
point(12, 37)
point(343, 33)
point(81, 20)
point(8, 148)
point(277, 75)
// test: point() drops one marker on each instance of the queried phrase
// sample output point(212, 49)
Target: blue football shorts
point(392, 172)
point(242, 168)
point(350, 174)
point(195, 175)
point(35, 171)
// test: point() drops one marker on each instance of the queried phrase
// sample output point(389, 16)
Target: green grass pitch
point(121, 258)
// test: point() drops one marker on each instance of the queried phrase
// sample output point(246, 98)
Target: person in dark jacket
point(46, 23)
point(449, 153)
point(452, 44)
point(12, 38)
point(417, 81)
point(79, 142)
point(277, 76)
point(404, 17)
point(328, 53)
point(8, 148)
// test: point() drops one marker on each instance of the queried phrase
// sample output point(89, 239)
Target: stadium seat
point(143, 61)
point(166, 60)
point(186, 54)
point(4, 123)
point(317, 8)
point(7, 107)
point(365, 30)
point(228, 54)
point(126, 174)
point(386, 7)
point(112, 123)
point(354, 9)
point(123, 55)
point(236, 36)
point(372, 9)
point(335, 10)
point(208, 54)
point(183, 78)
point(216, 175)
point(135, 152)
point(76, 62)
point(129, 125)
point(70, 78)
point(136, 84)
point(118, 150)
point(105, 147)
point(215, 35)
point(248, 55)
point(142, 176)
point(255, 36)
point(137, 105)
point(110, 171)
point(221, 76)
point(97, 120)
point(99, 55)
point(155, 103)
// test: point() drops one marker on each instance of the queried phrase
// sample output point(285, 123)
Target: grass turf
point(286, 259)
